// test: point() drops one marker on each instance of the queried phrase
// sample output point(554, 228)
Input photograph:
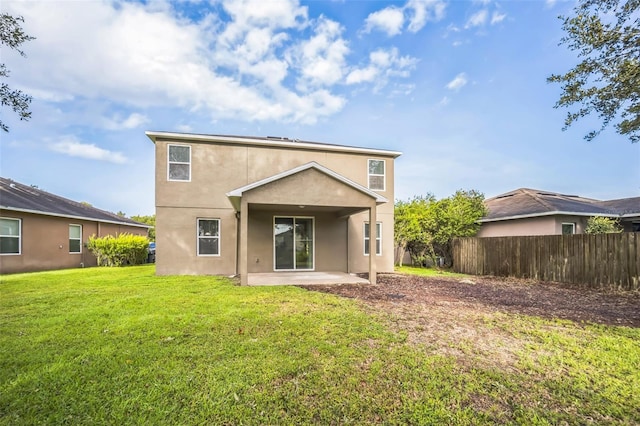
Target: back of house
point(231, 205)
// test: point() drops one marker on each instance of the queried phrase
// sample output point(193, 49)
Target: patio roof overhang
point(311, 198)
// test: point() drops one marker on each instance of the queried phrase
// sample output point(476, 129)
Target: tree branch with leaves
point(606, 36)
point(12, 35)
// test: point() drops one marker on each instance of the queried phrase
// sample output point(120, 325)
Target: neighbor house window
point(75, 238)
point(376, 175)
point(568, 228)
point(10, 233)
point(208, 237)
point(179, 162)
point(378, 238)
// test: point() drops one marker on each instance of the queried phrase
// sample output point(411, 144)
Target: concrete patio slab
point(304, 278)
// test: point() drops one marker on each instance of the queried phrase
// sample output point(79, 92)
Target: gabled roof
point(268, 141)
point(18, 197)
point(235, 195)
point(525, 202)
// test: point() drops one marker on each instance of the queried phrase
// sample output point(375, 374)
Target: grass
point(122, 346)
point(427, 272)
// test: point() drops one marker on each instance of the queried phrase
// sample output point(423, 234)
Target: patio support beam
point(244, 241)
point(372, 243)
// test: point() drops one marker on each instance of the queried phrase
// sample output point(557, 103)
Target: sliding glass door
point(293, 243)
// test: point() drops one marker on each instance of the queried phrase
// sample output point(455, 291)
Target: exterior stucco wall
point(45, 242)
point(546, 225)
point(218, 168)
point(176, 242)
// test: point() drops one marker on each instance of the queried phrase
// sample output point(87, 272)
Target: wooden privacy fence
point(604, 261)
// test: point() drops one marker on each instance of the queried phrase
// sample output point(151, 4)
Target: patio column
point(244, 241)
point(372, 243)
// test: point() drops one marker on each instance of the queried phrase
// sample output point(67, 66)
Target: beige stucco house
point(527, 211)
point(231, 205)
point(43, 231)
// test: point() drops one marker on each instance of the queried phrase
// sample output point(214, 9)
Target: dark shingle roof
point(532, 202)
point(18, 197)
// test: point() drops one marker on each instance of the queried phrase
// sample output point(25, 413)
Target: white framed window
point(376, 171)
point(208, 237)
point(75, 239)
point(179, 163)
point(378, 238)
point(10, 236)
point(568, 228)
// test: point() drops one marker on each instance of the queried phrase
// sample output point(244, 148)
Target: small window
point(179, 162)
point(378, 238)
point(10, 234)
point(208, 237)
point(376, 175)
point(568, 228)
point(75, 239)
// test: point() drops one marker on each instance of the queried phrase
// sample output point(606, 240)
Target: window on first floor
point(10, 234)
point(75, 238)
point(378, 238)
point(568, 228)
point(208, 237)
point(179, 162)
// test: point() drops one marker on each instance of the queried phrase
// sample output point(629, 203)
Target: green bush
point(125, 249)
point(602, 225)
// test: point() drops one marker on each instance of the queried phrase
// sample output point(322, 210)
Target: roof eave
point(68, 216)
point(556, 213)
point(153, 135)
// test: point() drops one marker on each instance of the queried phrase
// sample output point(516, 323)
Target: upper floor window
point(10, 234)
point(179, 167)
point(378, 238)
point(376, 175)
point(75, 238)
point(568, 228)
point(208, 237)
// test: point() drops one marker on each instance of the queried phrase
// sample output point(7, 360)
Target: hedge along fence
point(125, 249)
point(603, 261)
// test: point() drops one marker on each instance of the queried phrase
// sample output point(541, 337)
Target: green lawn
point(122, 346)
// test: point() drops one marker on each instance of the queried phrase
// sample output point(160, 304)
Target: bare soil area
point(457, 316)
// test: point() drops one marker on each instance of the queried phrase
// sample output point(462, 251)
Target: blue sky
point(458, 86)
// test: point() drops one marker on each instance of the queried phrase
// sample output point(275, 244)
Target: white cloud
point(417, 13)
point(133, 121)
point(477, 19)
point(422, 11)
point(497, 17)
point(389, 20)
point(383, 63)
point(69, 145)
point(458, 82)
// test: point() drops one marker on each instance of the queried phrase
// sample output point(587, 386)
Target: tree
point(426, 227)
point(606, 35)
point(12, 35)
point(602, 225)
point(148, 220)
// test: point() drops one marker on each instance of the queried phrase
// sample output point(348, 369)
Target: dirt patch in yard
point(457, 316)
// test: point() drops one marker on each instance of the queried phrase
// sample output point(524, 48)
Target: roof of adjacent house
point(269, 141)
point(526, 202)
point(15, 196)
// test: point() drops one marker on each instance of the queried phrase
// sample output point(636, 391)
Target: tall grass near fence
point(604, 261)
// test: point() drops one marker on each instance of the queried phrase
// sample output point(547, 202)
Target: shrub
point(602, 225)
point(125, 249)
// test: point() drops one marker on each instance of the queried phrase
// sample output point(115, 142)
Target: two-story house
point(234, 205)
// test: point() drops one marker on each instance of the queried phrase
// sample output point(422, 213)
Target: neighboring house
point(42, 231)
point(534, 212)
point(235, 205)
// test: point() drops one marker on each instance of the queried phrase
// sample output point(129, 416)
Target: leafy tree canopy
point(12, 35)
point(602, 225)
point(425, 226)
point(606, 36)
point(148, 220)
